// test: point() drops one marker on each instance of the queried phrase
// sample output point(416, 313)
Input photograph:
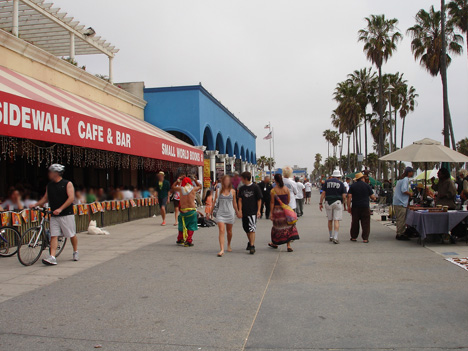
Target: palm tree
point(458, 16)
point(335, 140)
point(408, 104)
point(327, 135)
point(372, 161)
point(270, 163)
point(380, 39)
point(363, 79)
point(428, 45)
point(262, 162)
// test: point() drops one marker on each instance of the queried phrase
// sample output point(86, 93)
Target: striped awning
point(32, 109)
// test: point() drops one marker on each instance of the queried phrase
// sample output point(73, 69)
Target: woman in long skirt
point(282, 232)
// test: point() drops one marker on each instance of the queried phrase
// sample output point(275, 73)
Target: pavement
point(137, 290)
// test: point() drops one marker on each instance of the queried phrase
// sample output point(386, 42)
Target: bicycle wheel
point(62, 241)
point(10, 240)
point(32, 245)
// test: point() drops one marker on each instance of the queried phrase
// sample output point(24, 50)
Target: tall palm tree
point(327, 135)
point(408, 104)
point(335, 140)
point(380, 39)
point(458, 16)
point(363, 79)
point(428, 46)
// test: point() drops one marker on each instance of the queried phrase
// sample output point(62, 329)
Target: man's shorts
point(334, 211)
point(63, 226)
point(308, 194)
point(249, 223)
point(162, 202)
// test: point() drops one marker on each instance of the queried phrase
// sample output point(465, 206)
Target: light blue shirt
point(399, 198)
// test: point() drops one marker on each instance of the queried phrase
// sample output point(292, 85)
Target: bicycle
point(10, 240)
point(37, 239)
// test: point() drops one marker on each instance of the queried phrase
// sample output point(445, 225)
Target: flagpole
point(273, 141)
point(269, 131)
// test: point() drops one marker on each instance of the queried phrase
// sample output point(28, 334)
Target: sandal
point(365, 241)
point(220, 254)
point(273, 246)
point(290, 249)
point(353, 239)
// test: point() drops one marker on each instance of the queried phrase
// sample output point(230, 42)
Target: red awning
point(35, 110)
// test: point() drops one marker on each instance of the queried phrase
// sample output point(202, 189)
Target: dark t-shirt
point(266, 190)
point(57, 195)
point(163, 189)
point(334, 190)
point(250, 194)
point(360, 192)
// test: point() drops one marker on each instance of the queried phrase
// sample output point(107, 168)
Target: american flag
point(267, 126)
point(269, 136)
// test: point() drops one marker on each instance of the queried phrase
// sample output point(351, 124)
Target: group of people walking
point(248, 202)
point(338, 197)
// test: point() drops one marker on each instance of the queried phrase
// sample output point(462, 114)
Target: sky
point(272, 61)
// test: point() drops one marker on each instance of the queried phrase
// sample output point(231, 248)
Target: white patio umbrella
point(426, 150)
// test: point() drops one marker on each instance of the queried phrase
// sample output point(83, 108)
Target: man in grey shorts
point(60, 195)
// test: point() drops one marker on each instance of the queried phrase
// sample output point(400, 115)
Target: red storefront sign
point(29, 119)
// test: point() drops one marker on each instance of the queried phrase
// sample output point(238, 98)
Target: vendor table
point(434, 222)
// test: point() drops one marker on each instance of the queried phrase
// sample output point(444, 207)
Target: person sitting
point(446, 190)
point(14, 201)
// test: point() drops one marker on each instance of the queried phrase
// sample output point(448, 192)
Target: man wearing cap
point(60, 195)
point(188, 219)
point(334, 195)
point(162, 190)
point(400, 202)
point(359, 207)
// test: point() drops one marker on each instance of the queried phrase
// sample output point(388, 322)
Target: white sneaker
point(76, 256)
point(50, 261)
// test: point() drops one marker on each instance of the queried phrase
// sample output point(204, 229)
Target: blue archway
point(247, 155)
point(236, 150)
point(242, 153)
point(208, 139)
point(229, 149)
point(220, 144)
point(252, 158)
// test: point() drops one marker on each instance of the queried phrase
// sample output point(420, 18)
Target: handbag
point(291, 215)
point(216, 206)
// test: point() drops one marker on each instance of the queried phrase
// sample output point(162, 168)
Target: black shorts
point(249, 223)
point(308, 194)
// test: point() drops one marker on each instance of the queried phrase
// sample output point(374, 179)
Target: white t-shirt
point(346, 185)
point(292, 186)
point(127, 194)
point(9, 205)
point(300, 190)
point(308, 187)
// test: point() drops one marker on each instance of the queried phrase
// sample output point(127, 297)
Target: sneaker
point(163, 223)
point(248, 246)
point(331, 239)
point(402, 238)
point(180, 242)
point(252, 250)
point(336, 241)
point(76, 256)
point(50, 261)
point(188, 244)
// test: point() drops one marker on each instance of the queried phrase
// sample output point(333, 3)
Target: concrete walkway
point(385, 295)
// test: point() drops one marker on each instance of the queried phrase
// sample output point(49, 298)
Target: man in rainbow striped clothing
point(188, 221)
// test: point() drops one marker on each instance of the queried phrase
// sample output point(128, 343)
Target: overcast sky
point(267, 60)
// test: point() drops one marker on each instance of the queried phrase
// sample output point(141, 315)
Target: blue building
point(193, 115)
